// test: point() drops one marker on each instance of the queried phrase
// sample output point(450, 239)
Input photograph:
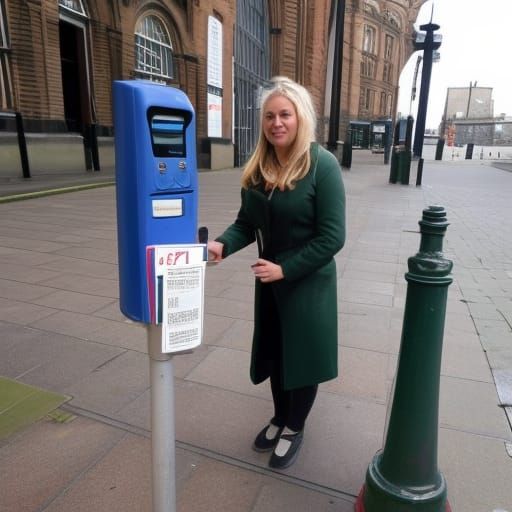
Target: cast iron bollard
point(439, 149)
point(404, 476)
point(346, 155)
point(393, 170)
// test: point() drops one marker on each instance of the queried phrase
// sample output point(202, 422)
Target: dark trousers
point(291, 407)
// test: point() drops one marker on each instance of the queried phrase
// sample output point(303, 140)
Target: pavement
point(62, 333)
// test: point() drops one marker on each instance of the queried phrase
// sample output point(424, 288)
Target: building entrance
point(74, 76)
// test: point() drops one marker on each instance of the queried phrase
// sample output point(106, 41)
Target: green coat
point(301, 230)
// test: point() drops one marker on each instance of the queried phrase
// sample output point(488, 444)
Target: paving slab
point(227, 369)
point(462, 357)
point(84, 284)
point(478, 471)
point(113, 385)
point(21, 313)
point(472, 406)
point(41, 461)
point(118, 481)
point(73, 301)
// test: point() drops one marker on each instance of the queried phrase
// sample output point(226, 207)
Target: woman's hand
point(266, 271)
point(215, 251)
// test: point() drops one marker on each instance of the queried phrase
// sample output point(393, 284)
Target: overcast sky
point(475, 47)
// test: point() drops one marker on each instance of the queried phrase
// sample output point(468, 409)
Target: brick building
point(58, 59)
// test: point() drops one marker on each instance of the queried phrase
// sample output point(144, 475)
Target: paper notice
point(182, 312)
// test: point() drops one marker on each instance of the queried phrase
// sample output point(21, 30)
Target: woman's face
point(280, 122)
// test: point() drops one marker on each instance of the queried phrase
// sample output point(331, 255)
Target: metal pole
point(22, 145)
point(94, 147)
point(162, 423)
point(334, 118)
point(414, 81)
point(428, 49)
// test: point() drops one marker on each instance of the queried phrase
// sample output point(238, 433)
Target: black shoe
point(262, 443)
point(287, 459)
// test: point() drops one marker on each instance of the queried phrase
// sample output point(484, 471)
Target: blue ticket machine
point(156, 181)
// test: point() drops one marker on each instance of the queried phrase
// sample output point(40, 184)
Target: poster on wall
point(214, 77)
point(214, 115)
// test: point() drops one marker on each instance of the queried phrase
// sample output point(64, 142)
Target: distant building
point(58, 59)
point(493, 131)
point(378, 41)
point(469, 118)
point(468, 103)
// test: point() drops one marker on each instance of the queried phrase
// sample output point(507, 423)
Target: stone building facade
point(468, 118)
point(58, 59)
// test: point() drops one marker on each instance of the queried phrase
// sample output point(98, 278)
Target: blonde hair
point(263, 165)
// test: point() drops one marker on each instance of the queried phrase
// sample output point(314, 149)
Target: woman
point(293, 205)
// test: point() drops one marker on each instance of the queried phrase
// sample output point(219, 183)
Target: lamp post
point(428, 42)
point(337, 65)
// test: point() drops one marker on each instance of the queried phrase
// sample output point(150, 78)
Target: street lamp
point(334, 118)
point(428, 42)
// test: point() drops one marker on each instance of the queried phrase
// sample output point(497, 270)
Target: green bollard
point(403, 476)
point(405, 166)
point(393, 170)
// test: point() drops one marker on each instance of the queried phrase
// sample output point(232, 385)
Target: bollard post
point(439, 149)
point(346, 155)
point(403, 476)
point(393, 170)
point(419, 173)
point(22, 145)
point(469, 151)
point(162, 423)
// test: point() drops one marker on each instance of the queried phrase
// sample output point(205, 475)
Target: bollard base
point(380, 495)
point(359, 504)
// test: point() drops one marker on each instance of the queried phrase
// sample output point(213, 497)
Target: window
point(5, 71)
point(394, 19)
point(368, 66)
point(389, 105)
point(387, 72)
point(388, 47)
point(371, 7)
point(383, 100)
point(74, 6)
point(369, 39)
point(153, 50)
point(366, 100)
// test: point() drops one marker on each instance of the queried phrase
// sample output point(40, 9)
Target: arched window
point(393, 19)
point(371, 7)
point(153, 50)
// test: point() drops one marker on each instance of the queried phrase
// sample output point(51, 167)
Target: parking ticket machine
point(156, 181)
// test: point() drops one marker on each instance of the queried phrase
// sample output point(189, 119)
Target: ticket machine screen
point(168, 134)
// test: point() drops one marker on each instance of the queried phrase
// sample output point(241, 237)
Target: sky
point(474, 47)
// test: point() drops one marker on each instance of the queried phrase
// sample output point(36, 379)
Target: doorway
point(74, 76)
